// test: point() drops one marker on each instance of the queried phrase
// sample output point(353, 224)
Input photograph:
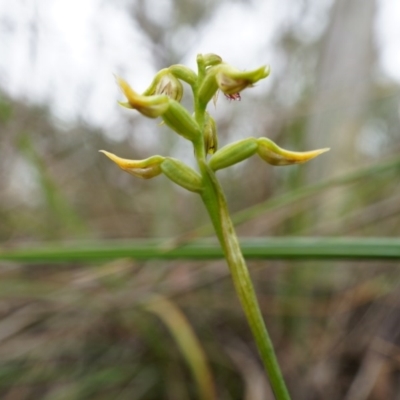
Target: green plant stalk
point(212, 195)
point(215, 203)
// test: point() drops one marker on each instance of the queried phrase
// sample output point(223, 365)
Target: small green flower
point(229, 80)
point(161, 99)
point(165, 83)
point(174, 169)
point(269, 151)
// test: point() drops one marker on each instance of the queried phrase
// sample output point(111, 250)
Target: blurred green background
point(96, 329)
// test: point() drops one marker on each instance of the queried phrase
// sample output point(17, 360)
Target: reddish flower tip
point(233, 96)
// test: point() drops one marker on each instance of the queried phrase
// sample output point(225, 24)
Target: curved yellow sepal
point(150, 106)
point(275, 155)
point(146, 169)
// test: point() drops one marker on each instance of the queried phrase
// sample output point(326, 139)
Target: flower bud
point(273, 154)
point(182, 174)
point(210, 135)
point(150, 106)
point(233, 153)
point(146, 169)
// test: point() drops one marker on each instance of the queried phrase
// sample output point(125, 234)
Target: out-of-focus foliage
point(77, 331)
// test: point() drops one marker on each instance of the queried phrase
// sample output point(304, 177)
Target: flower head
point(229, 80)
point(232, 81)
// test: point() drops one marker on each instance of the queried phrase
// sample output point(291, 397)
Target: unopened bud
point(210, 135)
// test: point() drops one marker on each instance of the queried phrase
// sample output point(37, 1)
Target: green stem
point(212, 196)
point(214, 200)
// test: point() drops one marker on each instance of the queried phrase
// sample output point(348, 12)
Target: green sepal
point(211, 59)
point(209, 86)
point(184, 73)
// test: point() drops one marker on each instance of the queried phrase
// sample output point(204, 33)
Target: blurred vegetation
point(83, 330)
